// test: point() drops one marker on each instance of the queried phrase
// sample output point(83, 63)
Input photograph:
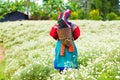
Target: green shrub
point(95, 15)
point(54, 16)
point(111, 16)
point(74, 15)
point(82, 14)
point(39, 15)
point(118, 18)
point(1, 17)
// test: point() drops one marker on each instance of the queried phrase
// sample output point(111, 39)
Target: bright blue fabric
point(69, 60)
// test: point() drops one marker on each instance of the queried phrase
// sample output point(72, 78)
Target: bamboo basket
point(65, 35)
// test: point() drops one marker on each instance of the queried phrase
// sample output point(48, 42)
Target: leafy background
point(49, 10)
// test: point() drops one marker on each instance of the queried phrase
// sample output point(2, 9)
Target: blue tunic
point(69, 60)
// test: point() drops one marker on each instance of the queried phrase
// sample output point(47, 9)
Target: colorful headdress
point(65, 15)
point(63, 18)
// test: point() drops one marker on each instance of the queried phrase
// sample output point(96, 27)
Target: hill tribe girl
point(65, 33)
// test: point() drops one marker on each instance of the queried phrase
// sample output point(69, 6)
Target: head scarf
point(65, 15)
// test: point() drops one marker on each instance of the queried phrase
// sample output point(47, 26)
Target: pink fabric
point(60, 15)
point(65, 15)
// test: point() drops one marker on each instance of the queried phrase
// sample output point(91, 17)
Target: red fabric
point(76, 33)
point(53, 32)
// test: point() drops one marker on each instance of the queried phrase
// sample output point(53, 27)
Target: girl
point(65, 55)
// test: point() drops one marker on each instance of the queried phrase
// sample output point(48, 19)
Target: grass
point(30, 51)
point(2, 68)
point(2, 65)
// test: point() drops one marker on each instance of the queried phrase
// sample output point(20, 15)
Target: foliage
point(73, 5)
point(78, 14)
point(94, 15)
point(1, 17)
point(6, 7)
point(105, 6)
point(74, 15)
point(30, 51)
point(51, 8)
point(54, 17)
point(118, 18)
point(114, 6)
point(111, 16)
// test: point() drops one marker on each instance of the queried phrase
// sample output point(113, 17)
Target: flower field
point(30, 51)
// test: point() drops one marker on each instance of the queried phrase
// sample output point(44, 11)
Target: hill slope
point(30, 51)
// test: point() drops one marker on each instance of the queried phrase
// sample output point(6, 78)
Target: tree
point(114, 6)
point(104, 6)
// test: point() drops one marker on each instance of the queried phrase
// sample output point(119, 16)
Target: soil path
point(2, 55)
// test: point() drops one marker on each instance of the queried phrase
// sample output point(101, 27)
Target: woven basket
point(65, 35)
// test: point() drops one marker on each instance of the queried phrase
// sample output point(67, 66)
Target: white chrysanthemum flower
point(117, 77)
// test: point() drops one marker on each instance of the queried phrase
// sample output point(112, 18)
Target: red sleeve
point(76, 32)
point(53, 32)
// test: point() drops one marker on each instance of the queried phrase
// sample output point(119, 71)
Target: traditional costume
point(65, 33)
